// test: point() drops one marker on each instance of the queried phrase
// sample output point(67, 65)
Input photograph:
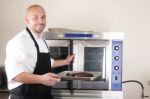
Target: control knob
point(116, 57)
point(116, 67)
point(116, 47)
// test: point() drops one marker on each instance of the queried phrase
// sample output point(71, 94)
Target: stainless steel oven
point(100, 52)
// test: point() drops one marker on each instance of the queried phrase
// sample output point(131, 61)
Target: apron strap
point(33, 39)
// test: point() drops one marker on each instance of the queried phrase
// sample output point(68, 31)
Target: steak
point(79, 74)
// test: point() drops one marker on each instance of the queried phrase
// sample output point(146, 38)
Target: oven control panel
point(117, 51)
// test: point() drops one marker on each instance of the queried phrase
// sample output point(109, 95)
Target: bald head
point(35, 18)
point(33, 8)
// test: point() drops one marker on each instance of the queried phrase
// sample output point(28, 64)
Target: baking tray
point(63, 76)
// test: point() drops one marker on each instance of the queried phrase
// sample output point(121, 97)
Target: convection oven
point(94, 52)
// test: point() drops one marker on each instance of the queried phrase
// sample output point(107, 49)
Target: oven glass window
point(59, 53)
point(94, 58)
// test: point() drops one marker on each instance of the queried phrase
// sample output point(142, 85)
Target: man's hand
point(49, 79)
point(62, 62)
point(70, 58)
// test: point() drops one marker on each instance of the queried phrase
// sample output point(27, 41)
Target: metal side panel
point(87, 94)
point(117, 50)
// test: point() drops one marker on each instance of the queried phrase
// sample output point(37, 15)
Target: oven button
point(116, 77)
point(116, 47)
point(116, 68)
point(116, 57)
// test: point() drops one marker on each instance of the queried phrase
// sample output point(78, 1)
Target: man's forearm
point(26, 77)
point(58, 63)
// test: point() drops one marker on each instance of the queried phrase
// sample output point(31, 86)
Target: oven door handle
point(70, 67)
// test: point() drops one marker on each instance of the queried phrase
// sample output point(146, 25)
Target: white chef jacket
point(21, 56)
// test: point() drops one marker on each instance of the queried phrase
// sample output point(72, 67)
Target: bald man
point(28, 63)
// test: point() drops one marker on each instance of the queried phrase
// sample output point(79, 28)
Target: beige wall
point(129, 16)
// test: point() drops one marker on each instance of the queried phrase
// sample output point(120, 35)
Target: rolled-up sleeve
point(15, 59)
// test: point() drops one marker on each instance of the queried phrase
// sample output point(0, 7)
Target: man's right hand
point(49, 79)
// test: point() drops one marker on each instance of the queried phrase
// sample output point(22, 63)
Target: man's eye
point(43, 17)
point(35, 18)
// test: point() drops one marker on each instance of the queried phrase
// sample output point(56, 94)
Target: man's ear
point(26, 20)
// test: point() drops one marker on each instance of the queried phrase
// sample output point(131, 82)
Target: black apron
point(35, 91)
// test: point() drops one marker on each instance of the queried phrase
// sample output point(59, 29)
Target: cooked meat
point(79, 74)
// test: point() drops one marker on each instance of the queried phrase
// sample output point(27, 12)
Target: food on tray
point(79, 74)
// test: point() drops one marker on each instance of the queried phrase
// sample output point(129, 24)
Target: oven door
point(91, 55)
point(58, 50)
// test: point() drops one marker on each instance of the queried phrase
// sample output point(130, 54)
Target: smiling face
point(35, 18)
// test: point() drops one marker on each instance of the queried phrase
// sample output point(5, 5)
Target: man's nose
point(40, 21)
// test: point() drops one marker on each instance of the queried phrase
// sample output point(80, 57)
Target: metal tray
point(63, 76)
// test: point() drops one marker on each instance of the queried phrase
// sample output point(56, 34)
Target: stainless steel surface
point(98, 35)
point(54, 36)
point(78, 84)
point(87, 94)
point(63, 75)
point(57, 43)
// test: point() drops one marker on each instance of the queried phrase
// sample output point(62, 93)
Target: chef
point(28, 63)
